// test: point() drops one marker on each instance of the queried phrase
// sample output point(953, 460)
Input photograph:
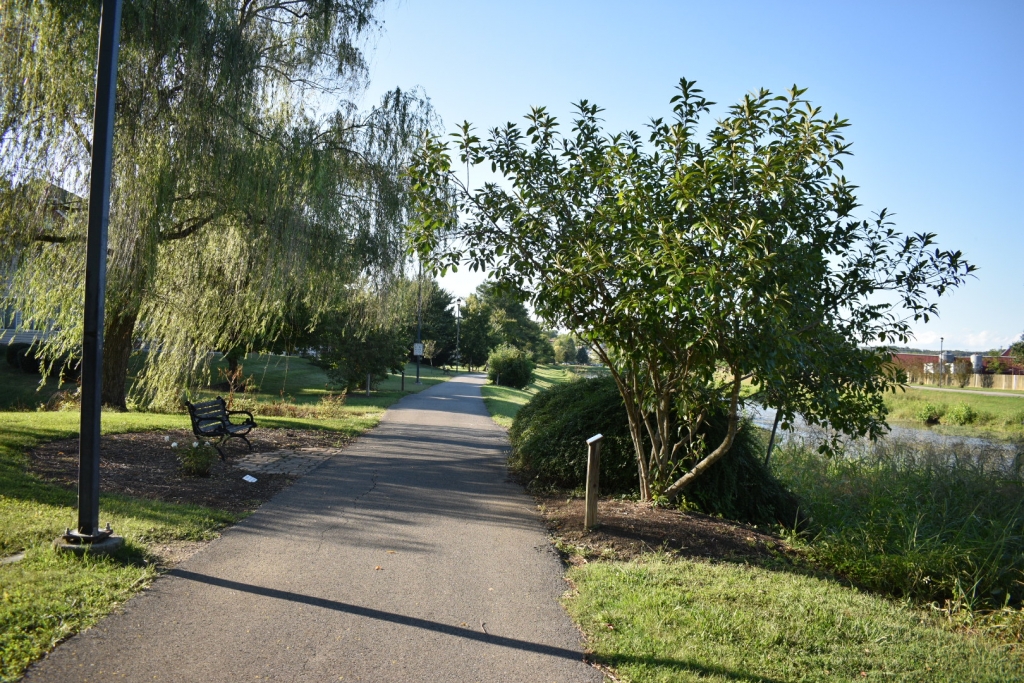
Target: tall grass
point(928, 523)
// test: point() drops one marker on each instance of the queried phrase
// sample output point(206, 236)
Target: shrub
point(961, 414)
point(549, 453)
point(12, 354)
point(28, 361)
point(919, 521)
point(509, 367)
point(548, 436)
point(195, 460)
point(931, 413)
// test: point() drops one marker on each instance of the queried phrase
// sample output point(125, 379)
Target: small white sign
point(417, 349)
point(249, 478)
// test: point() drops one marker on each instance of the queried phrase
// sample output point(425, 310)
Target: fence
point(1012, 382)
point(980, 381)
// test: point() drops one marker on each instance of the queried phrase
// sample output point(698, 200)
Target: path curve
point(409, 558)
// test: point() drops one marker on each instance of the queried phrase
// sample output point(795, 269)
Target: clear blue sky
point(933, 91)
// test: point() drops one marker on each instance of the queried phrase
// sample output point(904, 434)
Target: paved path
point(969, 392)
point(410, 558)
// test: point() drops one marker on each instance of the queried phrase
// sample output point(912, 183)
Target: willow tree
point(690, 264)
point(246, 183)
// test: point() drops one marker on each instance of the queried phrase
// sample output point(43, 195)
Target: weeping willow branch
point(233, 202)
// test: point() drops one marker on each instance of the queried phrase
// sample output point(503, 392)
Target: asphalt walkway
point(968, 392)
point(409, 558)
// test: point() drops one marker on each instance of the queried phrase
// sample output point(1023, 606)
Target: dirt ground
point(629, 528)
point(143, 465)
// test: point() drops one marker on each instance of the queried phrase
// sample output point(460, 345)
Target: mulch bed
point(628, 529)
point(143, 465)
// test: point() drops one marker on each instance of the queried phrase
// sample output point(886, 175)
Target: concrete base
point(107, 546)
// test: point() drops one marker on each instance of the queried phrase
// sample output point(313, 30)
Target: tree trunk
point(711, 458)
point(117, 350)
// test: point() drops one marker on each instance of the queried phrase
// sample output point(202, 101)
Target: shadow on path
point(380, 615)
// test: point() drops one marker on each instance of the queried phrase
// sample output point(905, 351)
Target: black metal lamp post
point(88, 531)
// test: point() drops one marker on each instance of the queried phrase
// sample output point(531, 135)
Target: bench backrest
point(205, 412)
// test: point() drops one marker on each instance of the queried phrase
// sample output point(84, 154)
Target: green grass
point(47, 596)
point(998, 417)
point(21, 390)
point(659, 619)
point(913, 521)
point(504, 402)
point(295, 380)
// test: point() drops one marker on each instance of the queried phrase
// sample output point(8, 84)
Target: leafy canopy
point(246, 183)
point(690, 265)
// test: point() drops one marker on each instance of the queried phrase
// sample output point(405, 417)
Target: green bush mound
point(961, 414)
point(548, 453)
point(508, 366)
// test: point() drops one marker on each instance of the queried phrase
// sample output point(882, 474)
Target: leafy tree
point(565, 349)
point(369, 335)
point(233, 201)
point(689, 266)
point(1017, 351)
point(429, 350)
point(583, 356)
point(438, 322)
point(476, 337)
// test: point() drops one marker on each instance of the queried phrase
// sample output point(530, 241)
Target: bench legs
point(223, 441)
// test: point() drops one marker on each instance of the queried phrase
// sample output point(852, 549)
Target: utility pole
point(88, 535)
point(941, 359)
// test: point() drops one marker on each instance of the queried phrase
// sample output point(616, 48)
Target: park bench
point(211, 419)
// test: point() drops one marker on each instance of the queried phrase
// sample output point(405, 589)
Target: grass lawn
point(47, 597)
point(296, 380)
point(660, 619)
point(999, 417)
point(504, 402)
point(21, 390)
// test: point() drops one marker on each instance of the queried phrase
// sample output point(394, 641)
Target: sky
point(934, 92)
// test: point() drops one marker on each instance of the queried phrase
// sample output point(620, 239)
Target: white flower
point(167, 438)
point(195, 444)
point(206, 443)
point(174, 445)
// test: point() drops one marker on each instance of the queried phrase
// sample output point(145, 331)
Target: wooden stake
point(593, 476)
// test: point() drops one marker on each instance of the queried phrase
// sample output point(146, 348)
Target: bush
point(549, 453)
point(28, 361)
point(509, 367)
point(195, 460)
point(12, 354)
point(961, 414)
point(931, 413)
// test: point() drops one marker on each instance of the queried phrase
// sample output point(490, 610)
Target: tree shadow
point(381, 615)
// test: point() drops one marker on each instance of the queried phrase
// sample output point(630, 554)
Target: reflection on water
point(958, 447)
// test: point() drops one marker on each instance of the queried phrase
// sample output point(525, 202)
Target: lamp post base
point(101, 543)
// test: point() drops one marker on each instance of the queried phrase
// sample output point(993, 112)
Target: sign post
point(593, 476)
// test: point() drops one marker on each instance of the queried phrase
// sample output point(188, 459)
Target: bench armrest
point(242, 412)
